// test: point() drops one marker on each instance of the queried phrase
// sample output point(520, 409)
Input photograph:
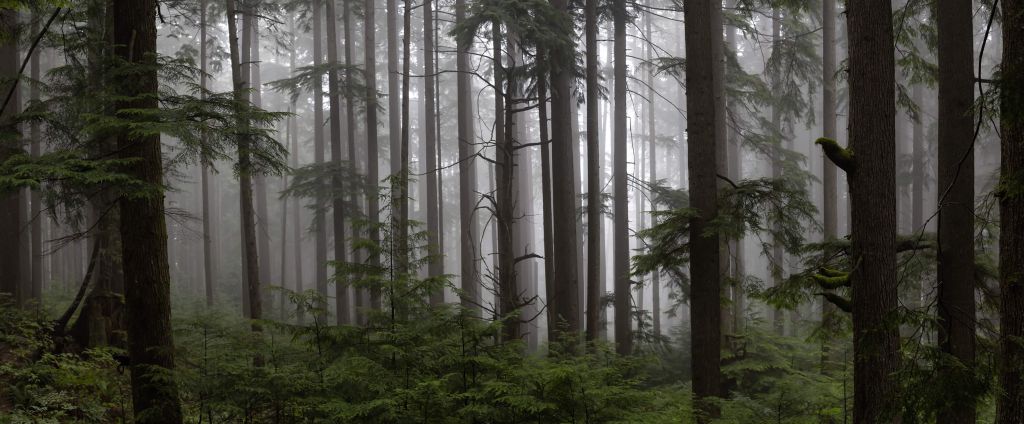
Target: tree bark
point(470, 278)
point(873, 209)
point(436, 265)
point(259, 181)
point(703, 33)
point(143, 230)
point(10, 202)
point(372, 149)
point(250, 258)
point(319, 157)
point(564, 303)
point(828, 171)
point(623, 282)
point(337, 199)
point(594, 218)
point(208, 273)
point(956, 282)
point(1010, 403)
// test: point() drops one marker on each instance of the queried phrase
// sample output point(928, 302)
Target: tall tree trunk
point(703, 50)
point(873, 202)
point(208, 273)
point(504, 194)
point(436, 265)
point(143, 230)
point(250, 259)
point(372, 149)
point(956, 280)
point(10, 202)
point(652, 156)
point(259, 181)
point(1010, 404)
point(594, 198)
point(319, 157)
point(623, 295)
point(828, 171)
point(546, 204)
point(35, 213)
point(403, 165)
point(337, 199)
point(564, 303)
point(470, 278)
point(353, 293)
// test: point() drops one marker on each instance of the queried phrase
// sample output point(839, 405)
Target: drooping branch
point(842, 303)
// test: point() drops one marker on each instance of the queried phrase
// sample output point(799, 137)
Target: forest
point(512, 211)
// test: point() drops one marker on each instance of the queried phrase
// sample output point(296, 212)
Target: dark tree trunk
point(504, 198)
point(564, 305)
point(873, 209)
point(250, 259)
point(703, 34)
point(143, 230)
point(956, 280)
point(470, 278)
point(778, 268)
point(35, 212)
point(403, 160)
point(337, 199)
point(828, 171)
point(208, 273)
point(545, 178)
point(436, 265)
point(623, 294)
point(319, 154)
point(594, 218)
point(351, 293)
point(10, 202)
point(1010, 404)
point(259, 181)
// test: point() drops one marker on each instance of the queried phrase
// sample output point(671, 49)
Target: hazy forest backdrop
point(512, 211)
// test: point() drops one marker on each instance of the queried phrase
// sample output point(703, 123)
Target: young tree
point(143, 230)
point(1010, 403)
point(956, 271)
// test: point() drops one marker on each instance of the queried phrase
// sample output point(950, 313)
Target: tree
point(143, 231)
point(436, 265)
point(623, 283)
point(10, 201)
point(250, 259)
point(205, 165)
point(1010, 403)
point(36, 206)
point(703, 50)
point(594, 195)
point(337, 184)
point(563, 304)
point(372, 150)
point(828, 120)
point(870, 173)
point(470, 278)
point(319, 156)
point(956, 271)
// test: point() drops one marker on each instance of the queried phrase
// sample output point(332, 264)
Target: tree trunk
point(1010, 404)
point(372, 149)
point(10, 202)
point(956, 282)
point(250, 259)
point(436, 265)
point(319, 157)
point(828, 171)
point(402, 231)
point(259, 181)
point(143, 230)
point(703, 40)
point(623, 295)
point(873, 202)
point(470, 278)
point(594, 218)
point(564, 303)
point(35, 212)
point(337, 199)
point(652, 156)
point(352, 294)
point(778, 268)
point(504, 196)
point(208, 273)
